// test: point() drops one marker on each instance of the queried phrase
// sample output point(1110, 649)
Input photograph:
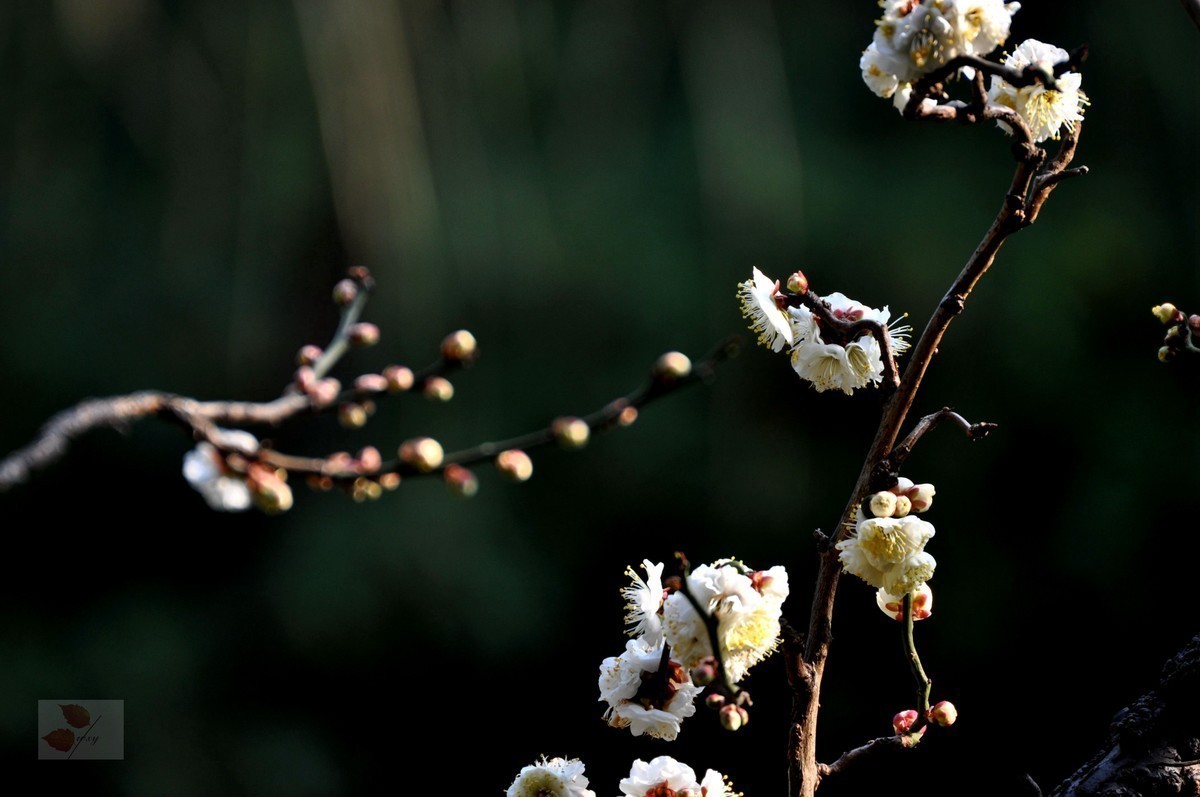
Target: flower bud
point(1166, 354)
point(269, 488)
point(1165, 312)
point(308, 354)
point(797, 283)
point(389, 481)
point(369, 460)
point(893, 605)
point(570, 433)
point(326, 392)
point(344, 292)
point(1193, 323)
point(903, 722)
point(459, 347)
point(371, 383)
point(705, 672)
point(883, 504)
point(732, 717)
point(903, 485)
point(943, 713)
point(921, 497)
point(398, 378)
point(672, 365)
point(514, 465)
point(627, 416)
point(423, 453)
point(714, 700)
point(438, 388)
point(903, 506)
point(352, 416)
point(322, 483)
point(460, 481)
point(364, 334)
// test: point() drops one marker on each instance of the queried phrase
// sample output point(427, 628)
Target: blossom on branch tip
point(207, 472)
point(645, 692)
point(643, 602)
point(757, 297)
point(831, 366)
point(555, 777)
point(893, 605)
point(1046, 111)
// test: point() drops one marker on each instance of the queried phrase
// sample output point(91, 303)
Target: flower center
point(661, 790)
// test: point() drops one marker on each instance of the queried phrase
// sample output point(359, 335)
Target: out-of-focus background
point(582, 184)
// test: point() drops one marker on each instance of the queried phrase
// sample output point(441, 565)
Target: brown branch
point(859, 754)
point(1021, 202)
point(974, 431)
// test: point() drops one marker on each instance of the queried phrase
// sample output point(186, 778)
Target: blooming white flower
point(663, 771)
point(646, 694)
point(830, 366)
point(1046, 111)
point(205, 469)
point(889, 553)
point(893, 605)
point(556, 777)
point(982, 25)
point(757, 297)
point(875, 73)
point(747, 608)
point(643, 602)
point(715, 784)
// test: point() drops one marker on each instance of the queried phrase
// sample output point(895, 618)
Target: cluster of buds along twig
point(1183, 331)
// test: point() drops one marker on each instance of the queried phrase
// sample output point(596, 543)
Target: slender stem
point(340, 343)
point(973, 431)
point(924, 685)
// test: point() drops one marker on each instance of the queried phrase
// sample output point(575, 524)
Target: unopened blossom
point(831, 366)
point(747, 608)
point(206, 470)
point(1046, 111)
point(757, 297)
point(646, 694)
point(893, 605)
point(643, 602)
point(889, 553)
point(555, 777)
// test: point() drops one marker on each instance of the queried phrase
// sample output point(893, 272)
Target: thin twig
point(858, 754)
point(924, 685)
point(974, 431)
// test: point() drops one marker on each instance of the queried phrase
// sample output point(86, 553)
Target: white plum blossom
point(1046, 111)
point(747, 607)
point(757, 297)
point(643, 602)
point(831, 366)
point(205, 469)
point(889, 553)
point(556, 777)
point(665, 775)
point(875, 75)
point(646, 694)
point(893, 605)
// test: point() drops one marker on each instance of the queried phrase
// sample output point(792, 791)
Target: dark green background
point(581, 184)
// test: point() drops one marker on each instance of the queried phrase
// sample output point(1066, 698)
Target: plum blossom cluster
point(1046, 111)
point(559, 777)
point(652, 687)
point(887, 549)
point(817, 356)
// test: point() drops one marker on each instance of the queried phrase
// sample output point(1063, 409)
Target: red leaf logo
point(76, 716)
point(61, 739)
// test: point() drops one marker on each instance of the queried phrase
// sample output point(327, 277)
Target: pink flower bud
point(893, 605)
point(714, 700)
point(308, 354)
point(344, 293)
point(943, 713)
point(364, 334)
point(705, 672)
point(514, 465)
point(570, 432)
point(903, 485)
point(460, 481)
point(438, 388)
point(326, 392)
point(389, 481)
point(797, 283)
point(352, 416)
point(423, 453)
point(371, 383)
point(731, 717)
point(369, 460)
point(459, 346)
point(903, 722)
point(672, 365)
point(398, 378)
point(921, 496)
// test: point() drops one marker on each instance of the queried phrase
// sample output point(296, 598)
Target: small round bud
point(903, 485)
point(364, 334)
point(893, 605)
point(344, 292)
point(744, 714)
point(269, 488)
point(339, 462)
point(904, 721)
point(308, 354)
point(460, 481)
point(322, 483)
point(672, 365)
point(369, 460)
point(903, 506)
point(627, 416)
point(305, 379)
point(1165, 312)
point(1174, 335)
point(423, 453)
point(731, 717)
point(459, 347)
point(360, 273)
point(1166, 354)
point(883, 504)
point(371, 383)
point(398, 378)
point(714, 700)
point(943, 713)
point(1193, 323)
point(326, 391)
point(797, 283)
point(352, 416)
point(705, 672)
point(389, 481)
point(514, 465)
point(570, 432)
point(438, 388)
point(921, 496)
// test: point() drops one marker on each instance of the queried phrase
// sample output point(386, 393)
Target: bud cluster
point(1183, 331)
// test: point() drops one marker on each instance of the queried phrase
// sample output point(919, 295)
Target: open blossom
point(665, 775)
point(831, 366)
point(643, 602)
point(889, 553)
point(205, 469)
point(747, 608)
point(1046, 111)
point(646, 694)
point(757, 297)
point(556, 777)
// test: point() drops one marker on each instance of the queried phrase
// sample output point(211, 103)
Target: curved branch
point(974, 431)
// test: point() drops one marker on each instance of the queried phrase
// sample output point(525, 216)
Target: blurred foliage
point(581, 184)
